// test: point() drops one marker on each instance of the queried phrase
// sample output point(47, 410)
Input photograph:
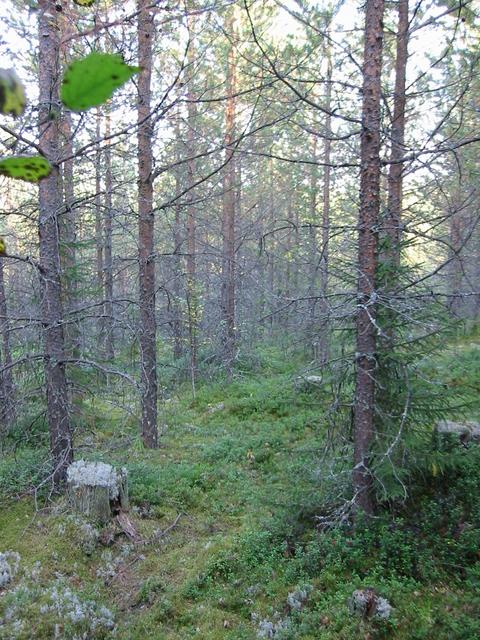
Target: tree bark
point(192, 294)
point(147, 325)
point(364, 409)
point(68, 238)
point(323, 338)
point(178, 260)
point(457, 268)
point(7, 386)
point(98, 224)
point(107, 249)
point(313, 245)
point(397, 134)
point(67, 228)
point(229, 202)
point(50, 206)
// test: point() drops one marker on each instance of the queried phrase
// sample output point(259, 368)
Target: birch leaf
point(28, 168)
point(84, 3)
point(12, 93)
point(91, 81)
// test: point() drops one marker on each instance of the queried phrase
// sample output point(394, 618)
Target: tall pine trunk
point(323, 338)
point(229, 203)
point(98, 224)
point(457, 267)
point(313, 246)
point(178, 260)
point(7, 386)
point(68, 238)
point(50, 206)
point(147, 326)
point(397, 134)
point(107, 249)
point(364, 409)
point(67, 228)
point(192, 293)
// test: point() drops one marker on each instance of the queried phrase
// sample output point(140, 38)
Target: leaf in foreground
point(84, 3)
point(12, 93)
point(91, 81)
point(29, 168)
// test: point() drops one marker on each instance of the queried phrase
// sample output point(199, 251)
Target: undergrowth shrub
point(24, 471)
point(177, 485)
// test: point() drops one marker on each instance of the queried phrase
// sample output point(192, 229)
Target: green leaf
point(92, 80)
point(12, 93)
point(84, 3)
point(28, 168)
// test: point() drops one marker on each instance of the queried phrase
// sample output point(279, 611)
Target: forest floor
point(227, 509)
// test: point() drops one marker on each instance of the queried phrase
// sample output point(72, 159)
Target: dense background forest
point(249, 277)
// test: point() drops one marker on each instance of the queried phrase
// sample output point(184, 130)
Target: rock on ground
point(466, 431)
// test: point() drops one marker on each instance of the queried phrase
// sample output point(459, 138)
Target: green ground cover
point(240, 472)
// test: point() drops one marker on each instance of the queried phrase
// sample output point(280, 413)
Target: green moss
point(245, 479)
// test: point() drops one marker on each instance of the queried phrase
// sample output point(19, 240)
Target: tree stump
point(97, 490)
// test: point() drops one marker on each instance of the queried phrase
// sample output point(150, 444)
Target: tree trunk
point(313, 247)
point(98, 223)
point(397, 134)
point(67, 228)
point(229, 202)
point(271, 249)
point(107, 249)
point(192, 294)
point(178, 260)
point(323, 338)
point(364, 409)
point(147, 327)
point(457, 268)
point(50, 206)
point(7, 386)
point(68, 237)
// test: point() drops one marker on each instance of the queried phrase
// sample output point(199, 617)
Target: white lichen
point(271, 628)
point(9, 563)
point(384, 608)
point(65, 613)
point(296, 599)
point(366, 603)
point(95, 474)
point(110, 564)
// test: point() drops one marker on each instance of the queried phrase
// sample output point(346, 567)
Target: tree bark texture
point(229, 202)
point(457, 268)
point(50, 207)
point(98, 222)
point(147, 323)
point(107, 249)
point(68, 238)
point(67, 227)
point(397, 134)
point(364, 409)
point(178, 259)
point(7, 386)
point(323, 338)
point(313, 241)
point(192, 294)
